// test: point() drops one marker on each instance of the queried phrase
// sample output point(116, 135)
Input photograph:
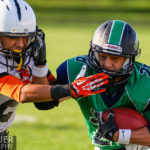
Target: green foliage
point(91, 11)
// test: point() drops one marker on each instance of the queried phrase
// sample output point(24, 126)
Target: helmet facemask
point(17, 20)
point(19, 58)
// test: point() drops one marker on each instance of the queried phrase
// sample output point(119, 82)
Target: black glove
point(39, 49)
point(108, 128)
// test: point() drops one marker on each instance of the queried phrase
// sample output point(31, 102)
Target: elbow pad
point(47, 105)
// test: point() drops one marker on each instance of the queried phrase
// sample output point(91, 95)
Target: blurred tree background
point(65, 21)
point(91, 11)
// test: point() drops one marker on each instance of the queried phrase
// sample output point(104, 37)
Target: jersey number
point(145, 69)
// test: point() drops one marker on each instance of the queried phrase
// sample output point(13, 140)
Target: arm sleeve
point(10, 86)
point(46, 105)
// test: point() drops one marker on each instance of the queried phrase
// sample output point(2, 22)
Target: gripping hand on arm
point(82, 86)
point(39, 48)
point(86, 86)
point(39, 68)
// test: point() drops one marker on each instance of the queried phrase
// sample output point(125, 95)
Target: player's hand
point(108, 128)
point(86, 86)
point(39, 49)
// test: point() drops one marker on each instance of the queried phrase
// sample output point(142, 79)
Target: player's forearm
point(43, 93)
point(38, 93)
point(22, 92)
point(138, 136)
point(32, 95)
point(35, 93)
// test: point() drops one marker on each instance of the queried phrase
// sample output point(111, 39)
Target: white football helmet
point(17, 19)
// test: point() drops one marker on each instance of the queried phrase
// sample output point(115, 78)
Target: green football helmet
point(115, 37)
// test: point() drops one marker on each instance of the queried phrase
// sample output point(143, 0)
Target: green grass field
point(68, 33)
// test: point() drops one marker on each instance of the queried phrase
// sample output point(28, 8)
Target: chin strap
point(21, 59)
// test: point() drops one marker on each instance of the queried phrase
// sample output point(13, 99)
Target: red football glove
point(86, 86)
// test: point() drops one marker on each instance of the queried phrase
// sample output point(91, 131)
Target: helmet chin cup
point(16, 59)
point(21, 59)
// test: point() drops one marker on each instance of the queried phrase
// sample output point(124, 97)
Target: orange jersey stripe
point(11, 87)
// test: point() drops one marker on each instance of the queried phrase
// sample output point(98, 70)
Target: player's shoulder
point(143, 69)
point(141, 76)
point(74, 63)
point(77, 62)
point(69, 69)
point(141, 72)
point(138, 85)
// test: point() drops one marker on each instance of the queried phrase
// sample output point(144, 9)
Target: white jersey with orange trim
point(8, 105)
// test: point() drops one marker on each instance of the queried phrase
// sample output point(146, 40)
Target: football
point(126, 118)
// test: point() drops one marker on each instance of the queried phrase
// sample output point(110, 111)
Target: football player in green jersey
point(113, 50)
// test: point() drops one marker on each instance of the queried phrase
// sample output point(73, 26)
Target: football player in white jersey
point(24, 75)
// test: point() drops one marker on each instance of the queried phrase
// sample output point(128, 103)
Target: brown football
point(126, 118)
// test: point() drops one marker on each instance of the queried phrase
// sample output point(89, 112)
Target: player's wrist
point(39, 71)
point(124, 136)
point(116, 136)
point(40, 66)
point(60, 91)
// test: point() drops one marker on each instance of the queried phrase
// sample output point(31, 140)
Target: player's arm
point(39, 68)
point(40, 71)
point(139, 136)
point(23, 93)
point(40, 60)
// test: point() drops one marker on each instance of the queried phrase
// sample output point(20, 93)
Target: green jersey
point(133, 94)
